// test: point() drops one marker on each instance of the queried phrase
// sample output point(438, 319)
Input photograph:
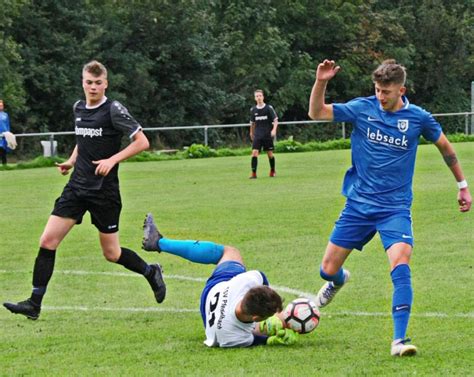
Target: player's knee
point(111, 255)
point(49, 242)
point(328, 268)
point(232, 253)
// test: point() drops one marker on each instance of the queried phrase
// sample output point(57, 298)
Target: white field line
point(189, 278)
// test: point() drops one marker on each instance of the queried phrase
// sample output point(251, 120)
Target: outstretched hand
point(464, 200)
point(327, 70)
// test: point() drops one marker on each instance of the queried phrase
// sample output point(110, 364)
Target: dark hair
point(390, 72)
point(262, 301)
point(95, 68)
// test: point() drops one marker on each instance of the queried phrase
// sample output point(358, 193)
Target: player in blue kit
point(378, 186)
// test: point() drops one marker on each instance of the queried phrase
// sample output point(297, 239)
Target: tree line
point(188, 62)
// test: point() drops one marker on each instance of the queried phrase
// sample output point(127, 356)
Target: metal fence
point(50, 145)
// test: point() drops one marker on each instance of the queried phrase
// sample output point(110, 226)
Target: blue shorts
point(223, 272)
point(359, 222)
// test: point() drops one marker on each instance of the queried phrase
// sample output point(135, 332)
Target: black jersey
point(99, 132)
point(263, 119)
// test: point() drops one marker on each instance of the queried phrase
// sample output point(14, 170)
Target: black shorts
point(265, 143)
point(103, 205)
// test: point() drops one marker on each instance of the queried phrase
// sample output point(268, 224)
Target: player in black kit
point(100, 124)
point(263, 128)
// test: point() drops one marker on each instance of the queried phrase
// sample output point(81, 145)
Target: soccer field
point(99, 319)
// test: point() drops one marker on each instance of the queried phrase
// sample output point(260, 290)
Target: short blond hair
point(95, 68)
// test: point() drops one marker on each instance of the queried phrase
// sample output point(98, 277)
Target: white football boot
point(329, 290)
point(400, 348)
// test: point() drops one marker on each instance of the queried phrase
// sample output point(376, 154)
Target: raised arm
point(318, 109)
point(449, 156)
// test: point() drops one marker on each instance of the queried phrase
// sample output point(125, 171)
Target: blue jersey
point(4, 127)
point(384, 146)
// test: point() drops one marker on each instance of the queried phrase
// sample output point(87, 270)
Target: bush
point(154, 156)
point(226, 152)
point(40, 162)
point(200, 151)
point(289, 145)
point(460, 138)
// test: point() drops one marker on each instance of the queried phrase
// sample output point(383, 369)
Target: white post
point(472, 107)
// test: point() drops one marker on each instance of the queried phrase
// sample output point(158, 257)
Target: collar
point(98, 105)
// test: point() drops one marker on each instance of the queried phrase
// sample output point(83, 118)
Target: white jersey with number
point(223, 329)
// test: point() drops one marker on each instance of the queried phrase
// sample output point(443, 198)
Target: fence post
point(472, 107)
point(51, 144)
point(343, 130)
point(205, 136)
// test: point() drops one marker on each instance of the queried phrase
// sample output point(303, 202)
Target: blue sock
point(337, 278)
point(402, 300)
point(203, 252)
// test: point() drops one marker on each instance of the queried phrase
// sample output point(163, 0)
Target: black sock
point(254, 164)
point(42, 272)
point(272, 163)
point(130, 260)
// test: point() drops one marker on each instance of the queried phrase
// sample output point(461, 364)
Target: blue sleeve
point(347, 112)
point(431, 129)
point(259, 340)
point(264, 277)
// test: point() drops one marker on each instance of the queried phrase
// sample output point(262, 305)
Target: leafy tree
point(11, 81)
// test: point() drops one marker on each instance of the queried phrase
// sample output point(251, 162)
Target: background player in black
point(263, 128)
point(99, 126)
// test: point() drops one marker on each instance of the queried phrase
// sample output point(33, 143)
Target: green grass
point(281, 226)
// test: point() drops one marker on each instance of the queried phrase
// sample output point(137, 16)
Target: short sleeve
point(252, 115)
point(273, 113)
point(431, 130)
point(347, 112)
point(122, 120)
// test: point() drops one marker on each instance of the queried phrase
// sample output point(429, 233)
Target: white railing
point(468, 129)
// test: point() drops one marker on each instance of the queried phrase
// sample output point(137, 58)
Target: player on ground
point(100, 124)
point(378, 186)
point(263, 129)
point(234, 299)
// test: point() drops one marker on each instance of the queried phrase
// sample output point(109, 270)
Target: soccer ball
point(301, 315)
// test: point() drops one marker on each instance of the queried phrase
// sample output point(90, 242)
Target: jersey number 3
point(212, 308)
